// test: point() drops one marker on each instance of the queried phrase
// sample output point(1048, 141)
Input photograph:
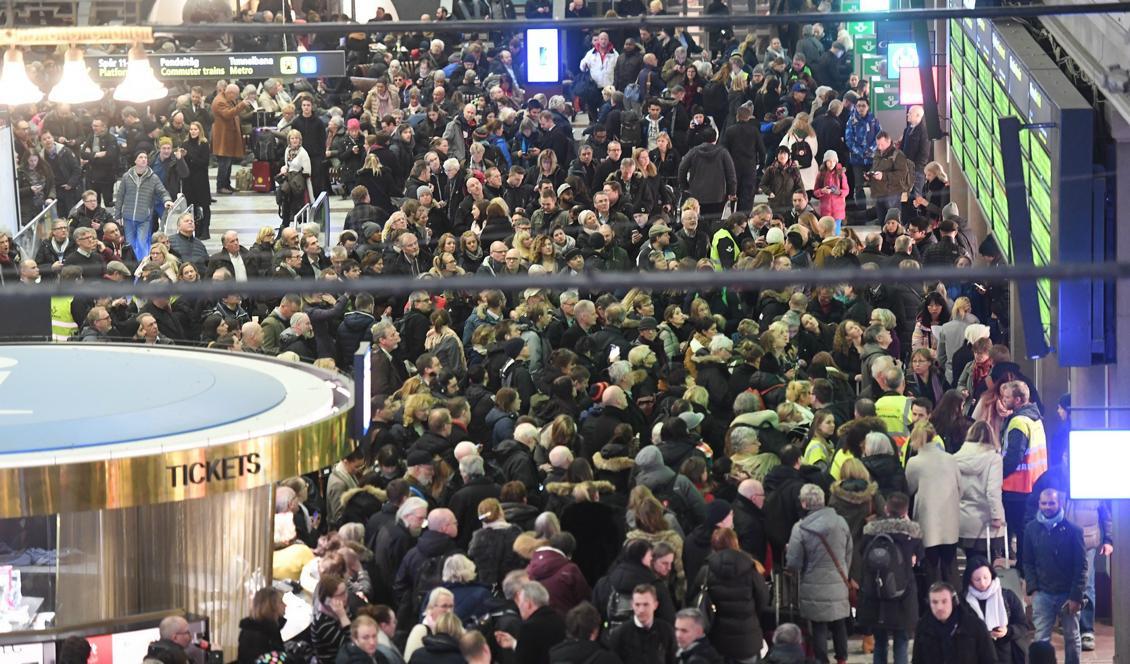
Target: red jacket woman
point(832, 187)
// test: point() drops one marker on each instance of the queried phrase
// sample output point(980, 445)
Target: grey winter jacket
point(707, 173)
point(652, 473)
point(823, 591)
point(138, 195)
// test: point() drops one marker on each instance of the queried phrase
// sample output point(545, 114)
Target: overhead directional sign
point(310, 64)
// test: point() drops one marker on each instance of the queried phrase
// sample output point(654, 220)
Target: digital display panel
point(983, 76)
point(543, 56)
point(1094, 462)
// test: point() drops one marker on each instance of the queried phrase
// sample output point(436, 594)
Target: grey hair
point(83, 231)
point(692, 614)
point(811, 497)
point(535, 593)
point(382, 330)
point(472, 466)
point(410, 505)
point(618, 370)
point(877, 443)
point(742, 438)
point(437, 594)
point(458, 569)
point(512, 583)
point(546, 525)
point(787, 634)
point(311, 228)
point(746, 402)
point(584, 306)
point(352, 532)
point(284, 495)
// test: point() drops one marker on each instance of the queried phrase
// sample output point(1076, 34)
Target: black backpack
point(801, 153)
point(618, 610)
point(885, 568)
point(630, 131)
point(428, 578)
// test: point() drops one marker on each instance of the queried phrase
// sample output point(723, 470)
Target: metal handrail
point(27, 238)
point(320, 213)
point(180, 206)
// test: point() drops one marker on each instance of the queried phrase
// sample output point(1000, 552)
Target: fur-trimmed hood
point(709, 359)
point(526, 544)
point(613, 464)
point(853, 491)
point(566, 488)
point(893, 527)
point(373, 491)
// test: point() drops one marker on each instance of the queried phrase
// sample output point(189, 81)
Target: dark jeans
point(747, 189)
point(712, 210)
point(105, 191)
point(820, 640)
point(1014, 505)
point(223, 172)
point(886, 203)
point(941, 565)
point(857, 197)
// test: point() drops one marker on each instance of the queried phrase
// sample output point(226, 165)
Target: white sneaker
point(1088, 642)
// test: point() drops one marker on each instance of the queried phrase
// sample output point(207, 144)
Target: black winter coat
point(739, 594)
point(623, 577)
point(573, 651)
point(438, 649)
point(492, 550)
point(258, 637)
point(465, 505)
point(893, 614)
point(517, 463)
point(599, 530)
point(596, 431)
point(655, 645)
point(749, 524)
point(962, 640)
point(887, 472)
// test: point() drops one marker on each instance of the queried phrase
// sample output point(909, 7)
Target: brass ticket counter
point(136, 479)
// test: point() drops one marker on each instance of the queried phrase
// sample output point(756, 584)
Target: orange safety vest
point(1035, 462)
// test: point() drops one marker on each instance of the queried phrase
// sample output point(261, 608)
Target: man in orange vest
point(1025, 450)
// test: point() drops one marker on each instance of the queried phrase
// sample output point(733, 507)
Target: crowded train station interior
point(564, 331)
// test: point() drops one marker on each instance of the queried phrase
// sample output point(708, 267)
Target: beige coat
point(981, 469)
point(227, 137)
point(935, 484)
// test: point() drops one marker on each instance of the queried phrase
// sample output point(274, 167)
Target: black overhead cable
point(601, 281)
point(723, 20)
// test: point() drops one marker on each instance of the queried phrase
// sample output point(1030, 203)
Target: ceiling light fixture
point(18, 88)
point(140, 85)
point(75, 86)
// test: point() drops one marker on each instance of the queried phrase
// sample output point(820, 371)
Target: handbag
point(853, 593)
point(702, 600)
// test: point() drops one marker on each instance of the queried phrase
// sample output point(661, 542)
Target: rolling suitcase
point(261, 181)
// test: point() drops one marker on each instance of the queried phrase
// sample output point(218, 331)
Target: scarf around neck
point(995, 614)
point(1050, 522)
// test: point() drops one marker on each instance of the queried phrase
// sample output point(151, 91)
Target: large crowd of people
point(734, 474)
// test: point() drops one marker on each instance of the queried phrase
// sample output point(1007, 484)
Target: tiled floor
point(1103, 653)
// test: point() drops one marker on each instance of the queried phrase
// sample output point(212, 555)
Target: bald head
point(442, 520)
point(465, 449)
point(752, 491)
point(232, 91)
point(560, 457)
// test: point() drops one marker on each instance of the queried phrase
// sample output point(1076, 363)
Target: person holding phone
point(832, 188)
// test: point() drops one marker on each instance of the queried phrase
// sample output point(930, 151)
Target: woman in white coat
point(802, 131)
point(979, 461)
point(295, 161)
point(935, 485)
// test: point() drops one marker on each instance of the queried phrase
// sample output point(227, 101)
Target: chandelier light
point(75, 87)
point(18, 88)
point(140, 85)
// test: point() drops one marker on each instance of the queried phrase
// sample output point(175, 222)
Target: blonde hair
point(203, 134)
point(938, 170)
point(697, 395)
point(797, 389)
point(490, 510)
point(961, 304)
point(292, 133)
point(853, 469)
point(264, 231)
